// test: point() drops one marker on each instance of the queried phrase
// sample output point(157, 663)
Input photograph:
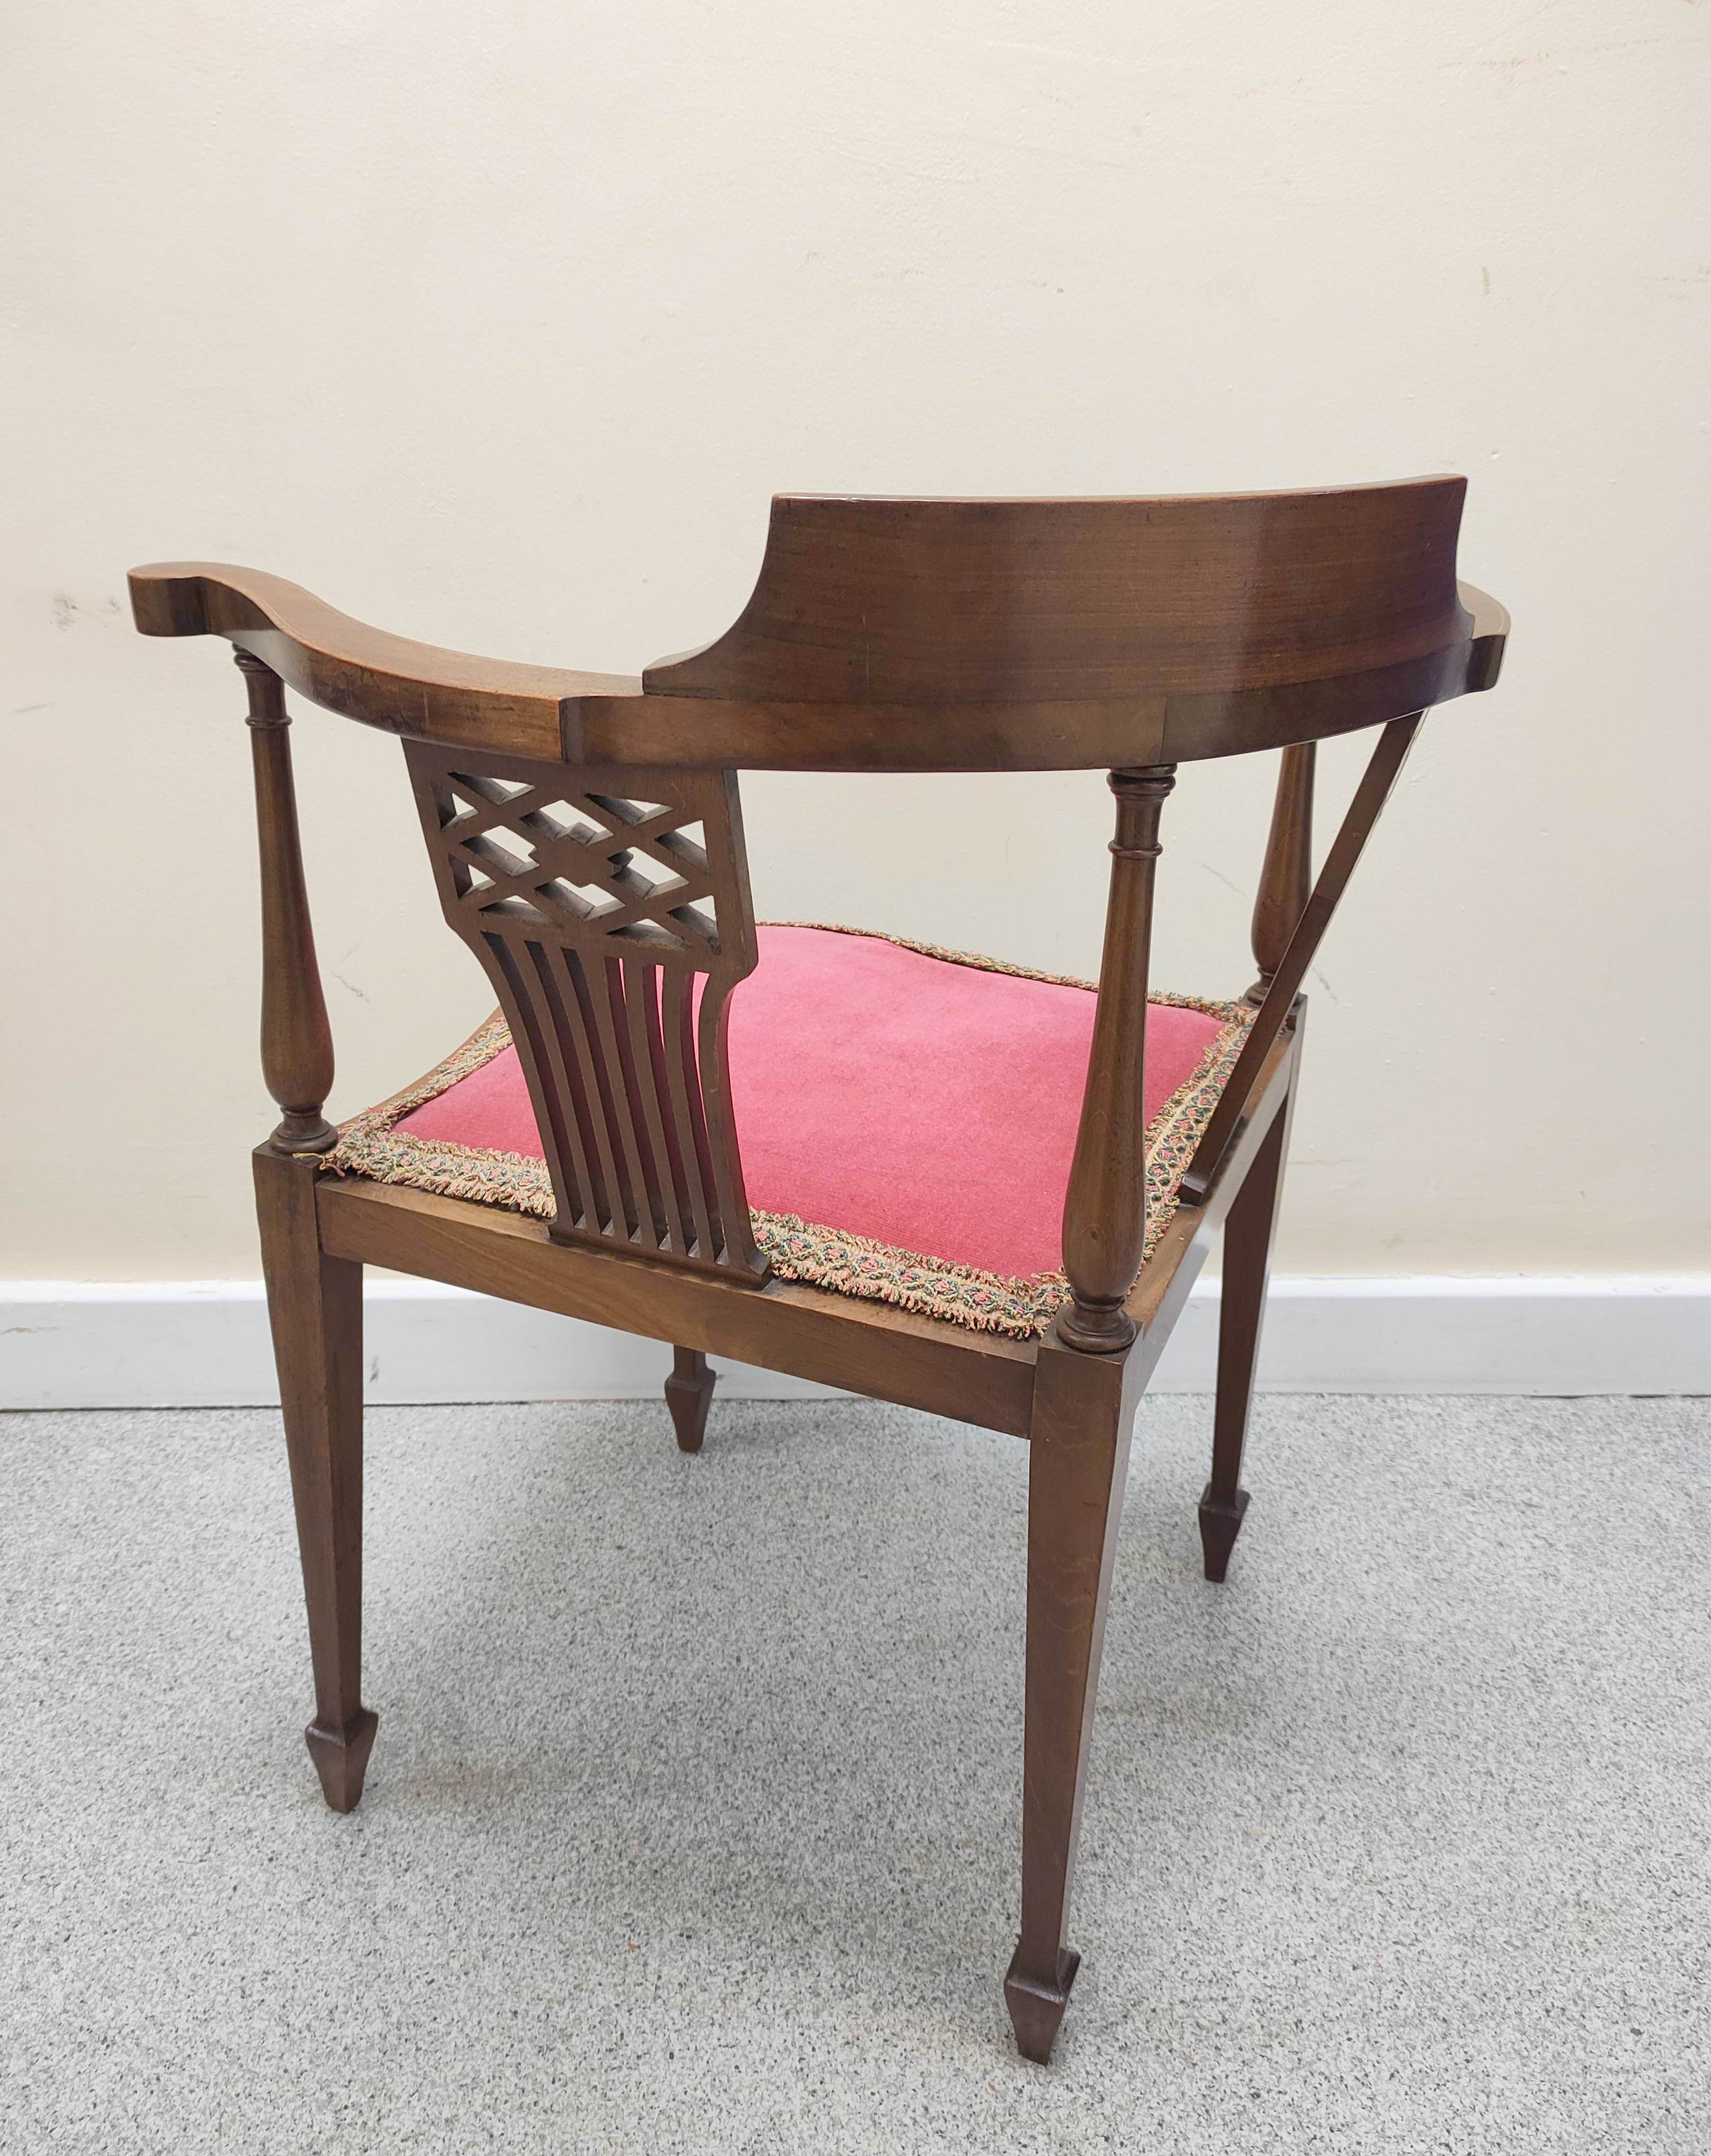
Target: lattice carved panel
point(611, 910)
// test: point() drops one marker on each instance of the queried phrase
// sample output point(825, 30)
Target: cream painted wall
point(497, 326)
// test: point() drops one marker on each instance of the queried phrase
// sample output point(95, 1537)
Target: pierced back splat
point(614, 925)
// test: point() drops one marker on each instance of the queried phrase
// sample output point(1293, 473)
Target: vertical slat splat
point(605, 979)
point(585, 1021)
point(614, 940)
point(642, 1024)
point(721, 1133)
point(532, 1031)
point(678, 1024)
point(570, 1099)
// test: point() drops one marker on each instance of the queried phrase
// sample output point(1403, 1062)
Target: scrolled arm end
point(169, 598)
point(366, 673)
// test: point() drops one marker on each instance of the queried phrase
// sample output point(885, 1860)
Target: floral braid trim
point(820, 1256)
point(1230, 1013)
point(931, 1287)
point(369, 1145)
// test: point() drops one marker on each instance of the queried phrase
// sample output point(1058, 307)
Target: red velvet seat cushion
point(889, 1097)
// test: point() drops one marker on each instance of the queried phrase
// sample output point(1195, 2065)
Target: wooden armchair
point(829, 1153)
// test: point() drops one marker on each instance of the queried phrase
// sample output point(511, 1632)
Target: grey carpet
point(692, 1823)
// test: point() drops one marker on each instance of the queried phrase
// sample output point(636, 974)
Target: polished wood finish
point(388, 681)
point(1286, 875)
point(688, 1394)
point(1127, 635)
point(1078, 1459)
point(314, 1301)
point(954, 635)
point(296, 1040)
point(918, 603)
point(863, 1346)
point(1248, 1249)
point(1104, 1208)
point(614, 941)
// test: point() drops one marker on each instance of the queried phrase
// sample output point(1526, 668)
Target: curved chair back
point(922, 602)
point(1077, 632)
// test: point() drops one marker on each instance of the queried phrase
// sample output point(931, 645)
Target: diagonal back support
point(610, 909)
point(1382, 771)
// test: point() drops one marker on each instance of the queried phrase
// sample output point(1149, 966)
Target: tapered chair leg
point(315, 1304)
point(1247, 1253)
point(1079, 1457)
point(689, 1393)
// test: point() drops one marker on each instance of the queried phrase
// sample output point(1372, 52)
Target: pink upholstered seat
point(906, 1120)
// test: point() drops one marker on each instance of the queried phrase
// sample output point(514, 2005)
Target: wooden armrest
point(553, 712)
point(383, 681)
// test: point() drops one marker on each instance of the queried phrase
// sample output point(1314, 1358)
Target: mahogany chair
point(918, 1175)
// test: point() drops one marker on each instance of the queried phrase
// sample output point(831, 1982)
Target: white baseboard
point(204, 1343)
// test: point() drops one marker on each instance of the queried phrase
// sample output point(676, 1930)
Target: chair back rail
point(561, 808)
point(903, 635)
point(901, 603)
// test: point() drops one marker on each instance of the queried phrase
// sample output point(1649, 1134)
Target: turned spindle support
point(296, 1041)
point(1104, 1209)
point(1286, 880)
